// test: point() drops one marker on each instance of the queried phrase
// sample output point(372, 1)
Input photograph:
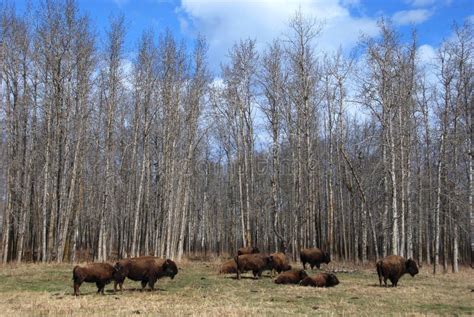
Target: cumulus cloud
point(226, 22)
point(417, 16)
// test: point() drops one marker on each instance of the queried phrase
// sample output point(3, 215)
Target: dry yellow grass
point(198, 290)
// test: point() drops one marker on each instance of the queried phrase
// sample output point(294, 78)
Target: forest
point(103, 156)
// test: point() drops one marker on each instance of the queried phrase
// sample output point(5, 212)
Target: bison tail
point(236, 259)
point(379, 270)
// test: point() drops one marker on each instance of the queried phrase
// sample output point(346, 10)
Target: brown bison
point(257, 263)
point(393, 267)
point(280, 263)
point(98, 273)
point(291, 277)
point(248, 250)
point(320, 280)
point(314, 257)
point(146, 269)
point(228, 267)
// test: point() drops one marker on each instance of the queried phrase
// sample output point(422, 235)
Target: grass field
point(46, 289)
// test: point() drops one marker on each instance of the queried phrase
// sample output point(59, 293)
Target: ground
point(46, 289)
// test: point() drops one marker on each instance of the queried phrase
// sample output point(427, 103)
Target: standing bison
point(257, 263)
point(98, 273)
point(146, 269)
point(228, 267)
point(314, 257)
point(280, 262)
point(393, 267)
point(320, 280)
point(291, 277)
point(248, 250)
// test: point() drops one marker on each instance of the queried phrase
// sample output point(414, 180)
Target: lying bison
point(320, 280)
point(280, 262)
point(393, 267)
point(314, 257)
point(248, 250)
point(98, 273)
point(228, 267)
point(291, 277)
point(146, 269)
point(257, 263)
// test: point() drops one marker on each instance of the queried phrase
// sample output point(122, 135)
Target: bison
point(98, 273)
point(280, 262)
point(314, 257)
point(257, 263)
point(320, 280)
point(146, 269)
point(248, 250)
point(291, 277)
point(228, 267)
point(393, 267)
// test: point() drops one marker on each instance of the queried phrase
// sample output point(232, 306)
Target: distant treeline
point(285, 148)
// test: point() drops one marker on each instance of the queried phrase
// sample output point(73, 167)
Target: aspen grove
point(104, 155)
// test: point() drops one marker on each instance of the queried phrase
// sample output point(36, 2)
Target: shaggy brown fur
point(280, 262)
point(256, 263)
point(98, 273)
point(314, 257)
point(320, 280)
point(248, 250)
point(393, 267)
point(291, 277)
point(146, 269)
point(228, 267)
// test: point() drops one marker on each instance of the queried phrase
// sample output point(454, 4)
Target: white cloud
point(421, 3)
point(426, 54)
point(225, 22)
point(411, 16)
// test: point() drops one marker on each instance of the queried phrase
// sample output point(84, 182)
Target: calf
point(146, 269)
point(291, 277)
point(314, 256)
point(320, 280)
point(256, 263)
point(393, 267)
point(98, 273)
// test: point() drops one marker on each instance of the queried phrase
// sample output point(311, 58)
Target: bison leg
point(100, 287)
point(238, 274)
point(151, 283)
point(144, 282)
point(394, 282)
point(318, 265)
point(76, 288)
point(115, 286)
point(385, 281)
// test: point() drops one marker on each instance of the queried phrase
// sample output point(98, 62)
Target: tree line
point(287, 147)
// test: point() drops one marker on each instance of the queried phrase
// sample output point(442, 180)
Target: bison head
point(170, 268)
point(411, 267)
point(255, 250)
point(302, 274)
point(327, 257)
point(331, 280)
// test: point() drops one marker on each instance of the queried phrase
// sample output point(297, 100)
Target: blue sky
point(225, 21)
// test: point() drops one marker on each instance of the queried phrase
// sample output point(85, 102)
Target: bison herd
point(148, 269)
